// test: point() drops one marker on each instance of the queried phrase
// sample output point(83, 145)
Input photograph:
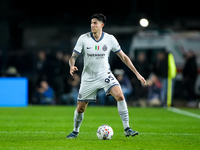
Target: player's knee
point(120, 97)
point(80, 110)
point(81, 107)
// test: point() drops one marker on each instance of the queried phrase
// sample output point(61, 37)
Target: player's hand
point(73, 69)
point(142, 80)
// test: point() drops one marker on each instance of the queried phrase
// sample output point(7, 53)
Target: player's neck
point(97, 35)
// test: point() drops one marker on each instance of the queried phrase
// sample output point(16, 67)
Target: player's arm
point(128, 62)
point(72, 61)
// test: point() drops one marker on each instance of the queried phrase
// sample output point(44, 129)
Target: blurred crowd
point(47, 73)
point(51, 83)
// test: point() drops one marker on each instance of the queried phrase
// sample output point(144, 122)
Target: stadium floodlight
point(144, 22)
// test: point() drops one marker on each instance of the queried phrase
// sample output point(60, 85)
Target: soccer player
point(95, 47)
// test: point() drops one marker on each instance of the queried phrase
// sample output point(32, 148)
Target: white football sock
point(123, 112)
point(77, 120)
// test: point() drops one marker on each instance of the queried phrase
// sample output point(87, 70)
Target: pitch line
point(183, 112)
point(61, 132)
point(186, 134)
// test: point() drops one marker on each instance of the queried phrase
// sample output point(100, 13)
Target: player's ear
point(102, 24)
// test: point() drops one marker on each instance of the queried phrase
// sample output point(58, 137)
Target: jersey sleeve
point(115, 45)
point(79, 45)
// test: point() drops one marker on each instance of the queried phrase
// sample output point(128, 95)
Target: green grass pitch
point(45, 127)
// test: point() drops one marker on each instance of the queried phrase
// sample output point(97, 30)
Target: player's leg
point(78, 118)
point(117, 93)
point(79, 114)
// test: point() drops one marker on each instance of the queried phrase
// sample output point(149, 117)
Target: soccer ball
point(105, 132)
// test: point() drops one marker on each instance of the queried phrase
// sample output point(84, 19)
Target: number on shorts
point(107, 80)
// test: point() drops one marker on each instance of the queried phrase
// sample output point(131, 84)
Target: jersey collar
point(95, 39)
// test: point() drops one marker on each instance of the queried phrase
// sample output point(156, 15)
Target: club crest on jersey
point(97, 48)
point(105, 48)
point(79, 95)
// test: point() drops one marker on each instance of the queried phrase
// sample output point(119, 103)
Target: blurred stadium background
point(28, 27)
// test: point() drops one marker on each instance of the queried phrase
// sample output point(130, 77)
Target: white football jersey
point(96, 53)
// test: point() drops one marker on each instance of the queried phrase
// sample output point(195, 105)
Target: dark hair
point(100, 17)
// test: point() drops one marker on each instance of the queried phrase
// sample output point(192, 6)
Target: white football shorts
point(88, 89)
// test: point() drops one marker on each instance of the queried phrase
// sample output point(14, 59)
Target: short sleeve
point(115, 45)
point(79, 45)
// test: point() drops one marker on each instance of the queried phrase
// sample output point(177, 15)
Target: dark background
point(16, 15)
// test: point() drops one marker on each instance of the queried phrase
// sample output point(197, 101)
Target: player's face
point(96, 25)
